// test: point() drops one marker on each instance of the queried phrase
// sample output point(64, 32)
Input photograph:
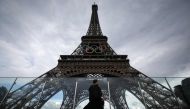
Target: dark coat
point(95, 98)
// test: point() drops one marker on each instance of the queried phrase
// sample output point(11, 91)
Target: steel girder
point(152, 95)
point(80, 50)
point(33, 94)
point(134, 89)
point(117, 94)
point(37, 92)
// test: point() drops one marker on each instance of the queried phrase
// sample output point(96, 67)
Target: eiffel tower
point(93, 58)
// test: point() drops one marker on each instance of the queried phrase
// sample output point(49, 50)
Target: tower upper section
point(94, 45)
point(94, 27)
point(94, 42)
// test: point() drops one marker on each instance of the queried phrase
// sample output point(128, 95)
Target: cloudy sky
point(155, 34)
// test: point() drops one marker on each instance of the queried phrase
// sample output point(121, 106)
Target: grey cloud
point(155, 34)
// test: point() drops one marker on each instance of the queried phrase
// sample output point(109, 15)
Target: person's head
point(95, 81)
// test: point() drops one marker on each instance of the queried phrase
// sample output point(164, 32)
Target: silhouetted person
point(182, 92)
point(95, 97)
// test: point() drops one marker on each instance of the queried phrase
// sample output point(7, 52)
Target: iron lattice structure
point(93, 56)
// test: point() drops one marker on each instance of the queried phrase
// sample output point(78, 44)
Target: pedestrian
point(95, 97)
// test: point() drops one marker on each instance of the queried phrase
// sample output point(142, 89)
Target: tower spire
point(94, 27)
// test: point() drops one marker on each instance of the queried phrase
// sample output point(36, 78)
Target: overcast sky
point(155, 34)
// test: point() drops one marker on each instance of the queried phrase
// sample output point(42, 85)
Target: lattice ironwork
point(94, 27)
point(94, 56)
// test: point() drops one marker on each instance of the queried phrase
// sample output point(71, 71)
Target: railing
point(137, 91)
